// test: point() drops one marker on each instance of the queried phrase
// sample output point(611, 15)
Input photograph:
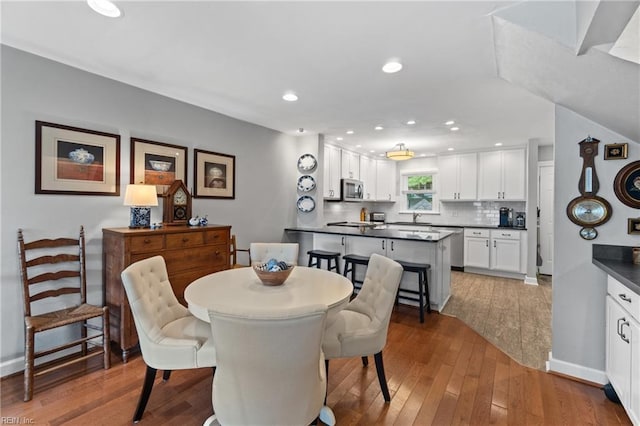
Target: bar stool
point(350, 262)
point(422, 270)
point(316, 256)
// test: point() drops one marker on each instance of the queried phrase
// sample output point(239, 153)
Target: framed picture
point(615, 151)
point(75, 161)
point(214, 175)
point(157, 163)
point(627, 185)
point(633, 226)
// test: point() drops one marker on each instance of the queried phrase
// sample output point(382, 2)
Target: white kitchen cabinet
point(331, 182)
point(368, 177)
point(623, 345)
point(385, 180)
point(458, 177)
point(505, 250)
point(350, 165)
point(501, 175)
point(476, 248)
point(495, 249)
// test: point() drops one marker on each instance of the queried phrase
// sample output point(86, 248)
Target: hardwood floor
point(439, 373)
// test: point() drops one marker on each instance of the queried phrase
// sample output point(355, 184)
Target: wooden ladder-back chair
point(50, 268)
point(233, 254)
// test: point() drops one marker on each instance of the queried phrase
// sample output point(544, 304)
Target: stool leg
point(421, 296)
point(309, 264)
point(426, 284)
point(337, 265)
point(318, 263)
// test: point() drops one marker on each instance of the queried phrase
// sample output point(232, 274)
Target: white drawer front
point(628, 299)
point(475, 232)
point(505, 234)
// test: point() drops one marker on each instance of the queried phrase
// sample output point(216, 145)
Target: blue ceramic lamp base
point(140, 217)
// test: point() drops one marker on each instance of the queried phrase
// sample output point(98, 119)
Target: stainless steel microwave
point(351, 190)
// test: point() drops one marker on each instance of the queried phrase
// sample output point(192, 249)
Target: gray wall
point(34, 88)
point(579, 288)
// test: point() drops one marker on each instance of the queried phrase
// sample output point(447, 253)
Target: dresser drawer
point(219, 236)
point(197, 257)
point(184, 240)
point(146, 243)
point(628, 299)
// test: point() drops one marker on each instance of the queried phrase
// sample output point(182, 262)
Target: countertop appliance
point(520, 222)
point(351, 190)
point(378, 217)
point(506, 217)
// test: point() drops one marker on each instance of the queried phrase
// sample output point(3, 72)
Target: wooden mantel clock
point(588, 210)
point(177, 204)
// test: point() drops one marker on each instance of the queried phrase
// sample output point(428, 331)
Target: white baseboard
point(11, 367)
point(531, 280)
point(577, 371)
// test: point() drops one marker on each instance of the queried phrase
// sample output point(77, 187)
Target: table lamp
point(140, 197)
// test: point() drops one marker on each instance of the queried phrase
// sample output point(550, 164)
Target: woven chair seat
point(63, 317)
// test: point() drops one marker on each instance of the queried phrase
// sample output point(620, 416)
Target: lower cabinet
point(495, 249)
point(623, 346)
point(436, 254)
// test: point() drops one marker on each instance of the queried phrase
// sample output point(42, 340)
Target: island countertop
point(616, 261)
point(365, 231)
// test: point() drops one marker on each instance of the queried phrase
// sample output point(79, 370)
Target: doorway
point(545, 217)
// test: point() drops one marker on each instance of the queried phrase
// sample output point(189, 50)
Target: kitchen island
point(411, 244)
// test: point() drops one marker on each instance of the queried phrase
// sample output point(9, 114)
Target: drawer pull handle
point(147, 241)
point(624, 297)
point(184, 240)
point(506, 235)
point(622, 335)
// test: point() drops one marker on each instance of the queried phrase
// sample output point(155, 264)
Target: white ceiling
point(238, 58)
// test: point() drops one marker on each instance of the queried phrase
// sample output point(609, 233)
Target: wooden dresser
point(189, 252)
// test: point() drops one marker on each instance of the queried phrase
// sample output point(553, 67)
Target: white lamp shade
point(399, 153)
point(140, 195)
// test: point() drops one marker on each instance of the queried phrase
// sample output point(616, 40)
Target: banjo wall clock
point(588, 210)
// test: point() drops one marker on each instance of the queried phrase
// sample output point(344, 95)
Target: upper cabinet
point(350, 165)
point(501, 175)
point(458, 177)
point(385, 180)
point(332, 172)
point(368, 177)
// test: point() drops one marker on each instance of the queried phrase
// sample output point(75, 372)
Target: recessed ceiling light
point(358, 146)
point(498, 144)
point(450, 122)
point(350, 132)
point(455, 129)
point(372, 151)
point(290, 97)
point(339, 138)
point(105, 8)
point(449, 149)
point(423, 155)
point(393, 65)
point(411, 122)
point(379, 127)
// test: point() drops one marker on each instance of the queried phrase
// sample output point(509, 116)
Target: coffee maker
point(520, 220)
point(506, 217)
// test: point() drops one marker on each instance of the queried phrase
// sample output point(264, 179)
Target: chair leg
point(365, 361)
point(326, 372)
point(28, 363)
point(381, 377)
point(149, 377)
point(166, 374)
point(83, 335)
point(106, 338)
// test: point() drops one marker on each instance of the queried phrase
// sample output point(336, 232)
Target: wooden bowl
point(273, 278)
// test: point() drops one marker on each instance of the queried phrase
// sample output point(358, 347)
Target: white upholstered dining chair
point(270, 368)
point(170, 337)
point(360, 329)
point(262, 252)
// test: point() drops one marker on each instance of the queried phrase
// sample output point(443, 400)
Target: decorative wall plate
point(627, 185)
point(306, 183)
point(306, 204)
point(307, 163)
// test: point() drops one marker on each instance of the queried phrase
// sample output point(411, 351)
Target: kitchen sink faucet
point(416, 215)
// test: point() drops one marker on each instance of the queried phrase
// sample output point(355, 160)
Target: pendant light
point(400, 153)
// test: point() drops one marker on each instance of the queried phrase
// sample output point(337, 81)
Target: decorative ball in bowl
point(160, 166)
point(273, 276)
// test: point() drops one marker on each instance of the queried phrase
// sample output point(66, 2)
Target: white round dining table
point(243, 289)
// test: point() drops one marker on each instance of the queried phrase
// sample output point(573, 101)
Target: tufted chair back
point(261, 252)
point(170, 337)
point(270, 366)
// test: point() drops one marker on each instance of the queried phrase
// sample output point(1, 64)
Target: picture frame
point(616, 151)
point(75, 161)
point(626, 185)
point(157, 163)
point(214, 175)
point(633, 225)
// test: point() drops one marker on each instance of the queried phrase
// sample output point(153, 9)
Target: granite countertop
point(617, 262)
point(366, 231)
